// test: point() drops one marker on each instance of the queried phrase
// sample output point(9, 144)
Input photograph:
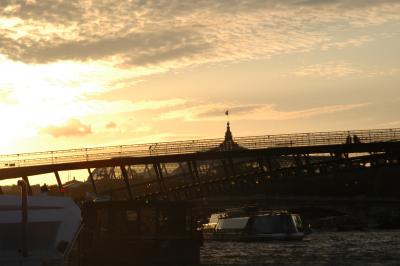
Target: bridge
point(338, 163)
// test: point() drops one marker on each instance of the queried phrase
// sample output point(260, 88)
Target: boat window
point(132, 222)
point(273, 224)
point(172, 221)
point(163, 222)
point(117, 221)
point(131, 215)
point(188, 221)
point(298, 222)
point(148, 221)
point(232, 223)
point(124, 221)
point(102, 219)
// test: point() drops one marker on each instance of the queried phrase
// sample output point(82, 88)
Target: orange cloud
point(111, 124)
point(73, 127)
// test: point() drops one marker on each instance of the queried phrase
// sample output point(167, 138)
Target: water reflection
point(325, 248)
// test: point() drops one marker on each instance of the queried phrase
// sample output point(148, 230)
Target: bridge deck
point(190, 169)
point(194, 146)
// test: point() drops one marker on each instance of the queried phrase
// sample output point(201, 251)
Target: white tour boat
point(257, 227)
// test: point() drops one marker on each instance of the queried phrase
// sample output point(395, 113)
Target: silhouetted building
point(228, 144)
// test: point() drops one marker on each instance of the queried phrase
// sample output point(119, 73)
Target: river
point(321, 248)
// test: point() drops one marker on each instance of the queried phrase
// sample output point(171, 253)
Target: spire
point(228, 143)
point(228, 134)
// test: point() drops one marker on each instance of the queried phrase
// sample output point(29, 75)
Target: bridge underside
point(309, 173)
point(308, 170)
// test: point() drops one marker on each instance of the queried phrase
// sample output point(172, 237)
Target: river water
point(321, 248)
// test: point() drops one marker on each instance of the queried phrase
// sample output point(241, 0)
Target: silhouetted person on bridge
point(356, 139)
point(348, 139)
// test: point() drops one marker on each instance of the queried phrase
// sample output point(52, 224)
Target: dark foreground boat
point(137, 233)
point(258, 227)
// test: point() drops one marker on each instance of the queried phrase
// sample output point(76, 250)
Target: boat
point(134, 232)
point(262, 226)
point(37, 230)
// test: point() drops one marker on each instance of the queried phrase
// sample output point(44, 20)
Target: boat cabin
point(139, 233)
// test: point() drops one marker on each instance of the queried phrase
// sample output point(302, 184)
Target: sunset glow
point(93, 73)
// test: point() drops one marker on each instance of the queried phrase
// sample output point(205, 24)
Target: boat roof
point(8, 201)
point(275, 213)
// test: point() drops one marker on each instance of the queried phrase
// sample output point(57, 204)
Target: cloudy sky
point(97, 72)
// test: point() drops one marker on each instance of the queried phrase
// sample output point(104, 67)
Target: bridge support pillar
point(59, 183)
point(160, 179)
point(92, 181)
point(132, 172)
point(126, 180)
point(26, 179)
point(194, 173)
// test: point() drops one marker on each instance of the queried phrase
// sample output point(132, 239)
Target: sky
point(96, 73)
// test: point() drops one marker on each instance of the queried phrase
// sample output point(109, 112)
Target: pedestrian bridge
point(197, 168)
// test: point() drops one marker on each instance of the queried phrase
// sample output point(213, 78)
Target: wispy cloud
point(332, 69)
point(173, 33)
point(391, 124)
point(159, 104)
point(351, 42)
point(151, 138)
point(215, 112)
point(327, 70)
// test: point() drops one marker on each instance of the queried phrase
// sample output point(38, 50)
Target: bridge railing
point(319, 138)
point(190, 146)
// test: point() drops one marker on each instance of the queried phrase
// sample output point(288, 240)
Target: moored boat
point(258, 227)
point(37, 230)
point(134, 232)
